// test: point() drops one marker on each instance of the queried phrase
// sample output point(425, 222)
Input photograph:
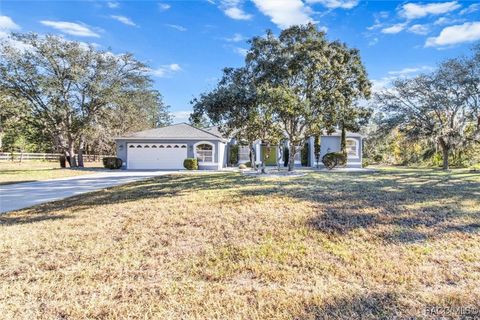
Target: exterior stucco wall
point(219, 152)
point(333, 144)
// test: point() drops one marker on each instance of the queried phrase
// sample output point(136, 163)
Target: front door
point(271, 159)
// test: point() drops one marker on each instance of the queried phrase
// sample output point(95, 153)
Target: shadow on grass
point(368, 306)
point(408, 200)
point(25, 219)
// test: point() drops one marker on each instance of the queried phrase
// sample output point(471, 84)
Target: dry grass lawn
point(225, 246)
point(13, 172)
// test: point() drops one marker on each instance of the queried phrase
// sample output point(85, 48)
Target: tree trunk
point(252, 156)
point(80, 153)
point(445, 151)
point(71, 153)
point(291, 156)
point(279, 154)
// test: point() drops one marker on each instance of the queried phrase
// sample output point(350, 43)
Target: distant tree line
point(292, 86)
point(64, 96)
point(431, 118)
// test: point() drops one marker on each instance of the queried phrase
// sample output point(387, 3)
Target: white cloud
point(444, 21)
point(176, 27)
point(323, 29)
point(175, 67)
point(385, 82)
point(378, 17)
point(410, 71)
point(334, 4)
point(237, 37)
point(7, 24)
point(237, 13)
point(181, 116)
point(467, 32)
point(233, 9)
point(241, 51)
point(396, 28)
point(72, 28)
point(166, 70)
point(470, 9)
point(379, 85)
point(414, 10)
point(285, 13)
point(124, 20)
point(113, 4)
point(373, 42)
point(419, 29)
point(164, 6)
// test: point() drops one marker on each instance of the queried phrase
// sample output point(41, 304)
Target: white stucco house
point(165, 148)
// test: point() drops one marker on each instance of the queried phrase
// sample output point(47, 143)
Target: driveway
point(23, 195)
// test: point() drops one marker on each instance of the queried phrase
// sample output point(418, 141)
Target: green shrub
point(304, 155)
point(334, 159)
point(242, 166)
point(234, 149)
point(378, 158)
point(286, 154)
point(112, 163)
point(365, 163)
point(190, 164)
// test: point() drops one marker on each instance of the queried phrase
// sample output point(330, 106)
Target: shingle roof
point(176, 131)
point(215, 131)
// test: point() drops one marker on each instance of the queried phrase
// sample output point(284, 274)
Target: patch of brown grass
point(325, 245)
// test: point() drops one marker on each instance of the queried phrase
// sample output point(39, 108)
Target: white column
point(311, 151)
point(257, 152)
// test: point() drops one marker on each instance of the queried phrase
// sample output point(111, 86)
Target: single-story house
point(167, 147)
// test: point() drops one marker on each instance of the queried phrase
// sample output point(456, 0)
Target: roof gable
point(175, 131)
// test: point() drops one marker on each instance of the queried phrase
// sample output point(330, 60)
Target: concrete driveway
point(23, 195)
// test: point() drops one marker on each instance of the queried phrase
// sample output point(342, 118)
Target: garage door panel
point(156, 156)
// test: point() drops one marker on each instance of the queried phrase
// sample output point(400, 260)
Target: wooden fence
point(18, 156)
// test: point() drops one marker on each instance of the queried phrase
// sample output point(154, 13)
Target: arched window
point(204, 152)
point(139, 146)
point(154, 146)
point(352, 148)
point(131, 146)
point(147, 146)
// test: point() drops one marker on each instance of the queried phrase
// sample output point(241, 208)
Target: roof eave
point(170, 138)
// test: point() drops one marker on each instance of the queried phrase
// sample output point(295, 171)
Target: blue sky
point(187, 43)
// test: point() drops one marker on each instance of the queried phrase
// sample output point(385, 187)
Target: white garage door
point(156, 156)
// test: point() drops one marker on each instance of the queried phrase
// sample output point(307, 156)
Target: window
point(204, 152)
point(131, 146)
point(352, 148)
point(154, 146)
